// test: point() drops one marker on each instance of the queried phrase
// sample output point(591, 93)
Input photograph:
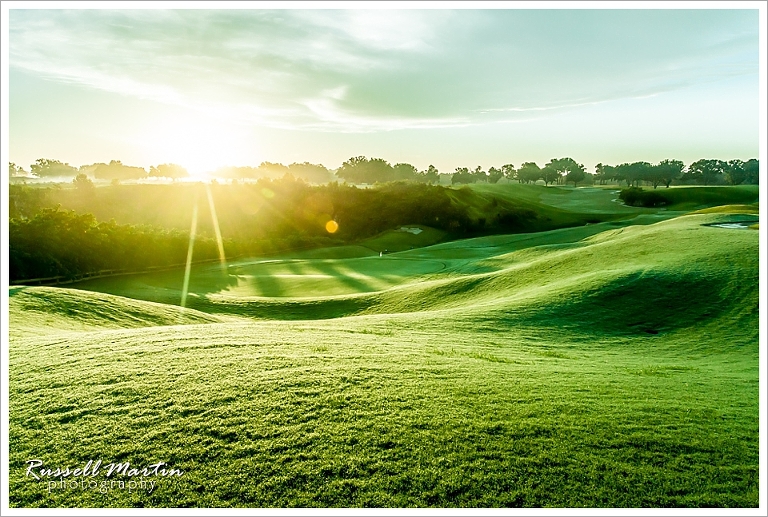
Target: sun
point(199, 144)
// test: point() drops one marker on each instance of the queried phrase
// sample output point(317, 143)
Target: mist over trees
point(285, 211)
point(44, 168)
point(68, 233)
point(363, 170)
point(560, 171)
point(14, 171)
point(168, 170)
point(310, 172)
point(114, 170)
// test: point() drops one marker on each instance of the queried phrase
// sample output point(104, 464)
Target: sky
point(450, 87)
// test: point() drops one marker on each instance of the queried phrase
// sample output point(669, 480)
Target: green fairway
point(602, 365)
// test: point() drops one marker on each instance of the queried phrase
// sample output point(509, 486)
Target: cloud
point(374, 70)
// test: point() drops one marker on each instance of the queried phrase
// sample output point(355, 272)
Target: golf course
point(604, 356)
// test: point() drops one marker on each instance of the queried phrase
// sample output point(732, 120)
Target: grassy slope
point(48, 310)
point(581, 367)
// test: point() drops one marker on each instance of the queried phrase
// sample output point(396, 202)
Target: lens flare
point(192, 233)
point(219, 241)
point(331, 226)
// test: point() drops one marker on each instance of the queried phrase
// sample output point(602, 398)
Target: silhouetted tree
point(44, 168)
point(751, 171)
point(15, 171)
point(529, 172)
point(564, 167)
point(114, 170)
point(665, 172)
point(550, 175)
point(509, 171)
point(362, 170)
point(735, 173)
point(272, 170)
point(83, 183)
point(430, 176)
point(479, 174)
point(404, 171)
point(462, 175)
point(706, 172)
point(494, 175)
point(313, 173)
point(168, 170)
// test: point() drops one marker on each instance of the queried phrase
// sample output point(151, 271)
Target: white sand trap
point(414, 231)
point(733, 226)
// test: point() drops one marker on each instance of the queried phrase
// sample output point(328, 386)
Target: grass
point(608, 365)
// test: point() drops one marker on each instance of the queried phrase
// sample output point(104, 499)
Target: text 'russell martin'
point(37, 470)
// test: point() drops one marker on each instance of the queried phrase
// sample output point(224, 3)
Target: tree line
point(114, 170)
point(705, 172)
point(72, 232)
point(363, 170)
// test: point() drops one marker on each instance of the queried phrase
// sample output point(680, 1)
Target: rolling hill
point(613, 364)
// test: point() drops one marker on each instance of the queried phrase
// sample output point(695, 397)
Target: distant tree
point(706, 172)
point(15, 171)
point(313, 173)
point(605, 173)
point(633, 173)
point(379, 170)
point(665, 172)
point(576, 176)
point(494, 175)
point(354, 170)
point(362, 170)
point(751, 171)
point(83, 183)
point(272, 170)
point(168, 170)
point(609, 171)
point(404, 171)
point(430, 176)
point(734, 172)
point(622, 172)
point(44, 168)
point(114, 170)
point(509, 171)
point(565, 167)
point(550, 175)
point(529, 172)
point(479, 174)
point(600, 173)
point(462, 175)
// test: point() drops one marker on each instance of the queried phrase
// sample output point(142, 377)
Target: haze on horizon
point(449, 87)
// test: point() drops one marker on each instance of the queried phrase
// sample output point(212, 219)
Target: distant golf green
point(609, 364)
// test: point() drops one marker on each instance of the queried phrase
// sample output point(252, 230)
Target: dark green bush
point(636, 196)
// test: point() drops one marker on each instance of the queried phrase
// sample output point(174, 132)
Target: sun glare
point(198, 144)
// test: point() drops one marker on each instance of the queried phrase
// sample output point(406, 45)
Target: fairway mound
point(45, 310)
point(645, 280)
point(404, 238)
point(729, 209)
point(652, 302)
point(638, 280)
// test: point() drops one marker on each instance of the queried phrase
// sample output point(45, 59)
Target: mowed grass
point(609, 365)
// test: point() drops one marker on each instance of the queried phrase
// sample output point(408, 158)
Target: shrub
point(636, 196)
